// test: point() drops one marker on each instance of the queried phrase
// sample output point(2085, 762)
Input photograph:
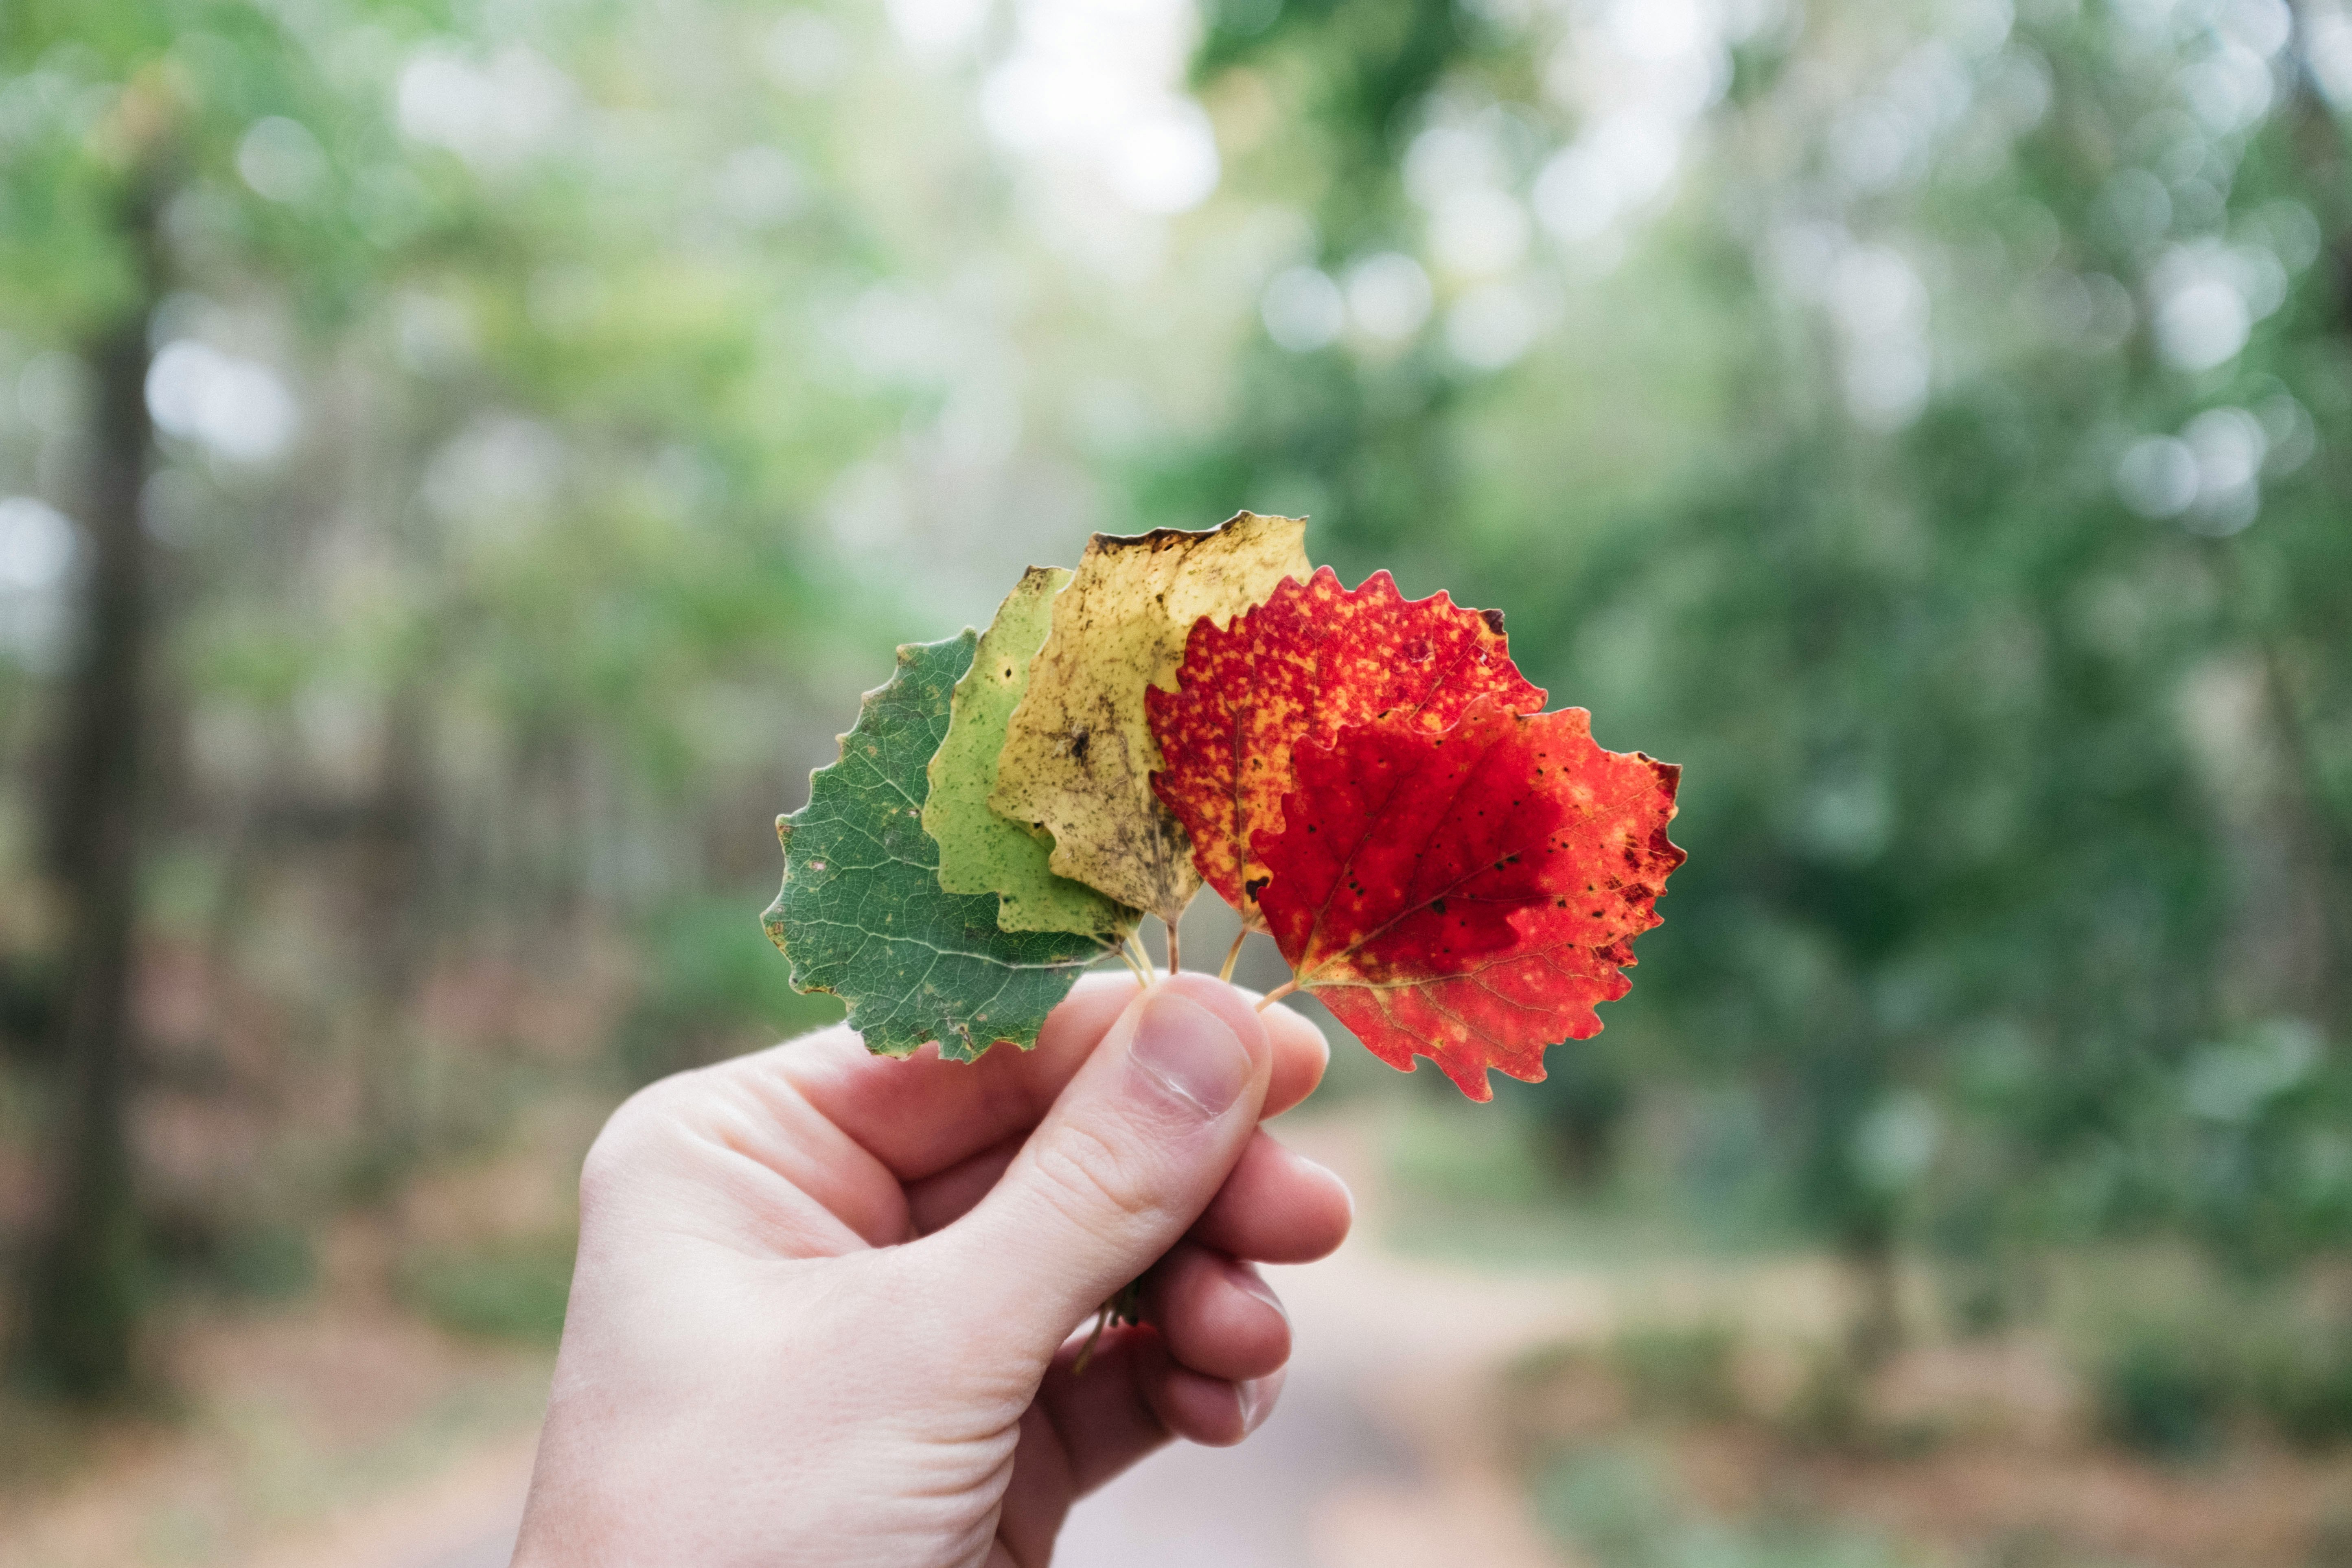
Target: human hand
point(825, 1301)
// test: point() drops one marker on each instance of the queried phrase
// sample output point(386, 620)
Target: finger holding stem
point(1125, 1307)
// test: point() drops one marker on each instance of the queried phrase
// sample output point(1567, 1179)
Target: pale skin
point(827, 1305)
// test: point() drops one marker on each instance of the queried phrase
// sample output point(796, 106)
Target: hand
point(825, 1302)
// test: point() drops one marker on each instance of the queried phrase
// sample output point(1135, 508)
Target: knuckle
point(600, 1169)
point(614, 1158)
point(1085, 1176)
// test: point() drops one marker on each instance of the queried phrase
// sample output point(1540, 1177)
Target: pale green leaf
point(980, 851)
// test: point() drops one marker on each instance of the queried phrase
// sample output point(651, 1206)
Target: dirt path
point(1382, 1451)
point(464, 1517)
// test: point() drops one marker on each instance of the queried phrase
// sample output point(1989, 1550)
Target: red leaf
point(1312, 658)
point(1468, 895)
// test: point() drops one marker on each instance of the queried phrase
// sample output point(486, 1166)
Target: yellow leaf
point(1079, 754)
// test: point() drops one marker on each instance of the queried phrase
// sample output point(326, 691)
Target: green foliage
point(1449, 1154)
point(2176, 1385)
point(712, 989)
point(255, 1259)
point(1828, 1410)
point(80, 1337)
point(270, 1262)
point(2301, 1384)
point(1610, 1503)
point(861, 914)
point(1620, 1507)
point(1680, 1370)
point(2165, 1390)
point(512, 1289)
point(1581, 1104)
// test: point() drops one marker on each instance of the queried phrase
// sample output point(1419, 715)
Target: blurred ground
point(1627, 1411)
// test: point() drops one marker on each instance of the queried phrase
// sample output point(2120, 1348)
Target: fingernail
point(1190, 1051)
point(1256, 1397)
point(1252, 1283)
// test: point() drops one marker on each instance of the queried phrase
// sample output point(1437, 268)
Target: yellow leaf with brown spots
point(1079, 753)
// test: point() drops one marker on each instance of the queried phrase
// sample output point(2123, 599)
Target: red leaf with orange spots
point(1312, 658)
point(1467, 894)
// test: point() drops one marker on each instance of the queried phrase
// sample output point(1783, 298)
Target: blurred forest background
point(462, 458)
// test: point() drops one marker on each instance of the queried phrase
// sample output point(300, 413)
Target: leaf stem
point(1126, 1306)
point(1126, 956)
point(1234, 954)
point(1087, 1352)
point(1171, 927)
point(1277, 993)
point(1140, 956)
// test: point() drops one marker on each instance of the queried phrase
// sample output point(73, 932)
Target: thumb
point(1122, 1166)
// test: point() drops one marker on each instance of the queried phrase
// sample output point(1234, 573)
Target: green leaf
point(980, 851)
point(861, 912)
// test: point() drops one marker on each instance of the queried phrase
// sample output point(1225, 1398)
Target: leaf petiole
point(1126, 1307)
point(1232, 954)
point(1277, 993)
point(1138, 958)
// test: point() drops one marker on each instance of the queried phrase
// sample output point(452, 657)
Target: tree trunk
point(1583, 1106)
point(2318, 140)
point(391, 884)
point(1875, 1329)
point(84, 1290)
